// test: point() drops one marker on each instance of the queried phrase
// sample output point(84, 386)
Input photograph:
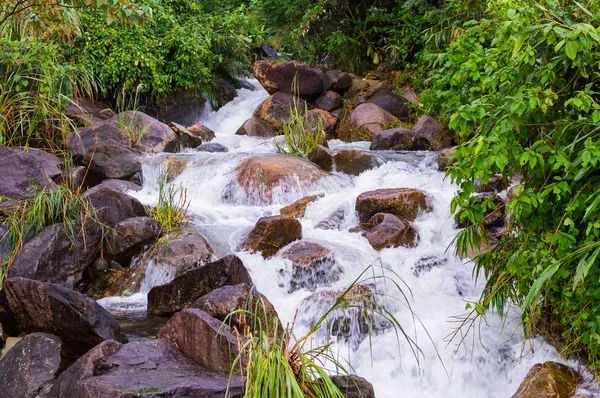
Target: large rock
point(121, 206)
point(30, 364)
point(202, 131)
point(365, 122)
point(88, 111)
point(279, 108)
point(144, 368)
point(386, 230)
point(240, 301)
point(271, 234)
point(340, 81)
point(115, 281)
point(117, 185)
point(55, 255)
point(390, 102)
point(22, 171)
point(224, 92)
point(298, 208)
point(329, 101)
point(354, 162)
point(183, 107)
point(353, 386)
point(129, 237)
point(324, 119)
point(291, 77)
point(362, 89)
point(150, 134)
point(261, 177)
point(322, 157)
point(28, 306)
point(182, 291)
point(549, 380)
point(186, 137)
point(183, 249)
point(404, 203)
point(106, 150)
point(202, 338)
point(212, 147)
point(399, 139)
point(257, 127)
point(313, 265)
point(430, 129)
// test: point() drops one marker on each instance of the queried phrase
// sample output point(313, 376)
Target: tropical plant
point(301, 133)
point(172, 203)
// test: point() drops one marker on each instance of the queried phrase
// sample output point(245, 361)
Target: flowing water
point(489, 359)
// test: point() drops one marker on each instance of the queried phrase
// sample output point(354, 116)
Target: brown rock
point(340, 81)
point(328, 122)
point(88, 111)
point(322, 157)
point(202, 131)
point(271, 234)
point(399, 139)
point(116, 282)
point(182, 291)
point(257, 127)
point(291, 77)
point(353, 386)
point(121, 206)
point(430, 129)
point(362, 89)
point(313, 265)
point(386, 230)
point(329, 101)
point(151, 135)
point(278, 108)
point(22, 171)
point(365, 122)
point(187, 138)
point(404, 203)
point(549, 380)
point(298, 208)
point(391, 103)
point(354, 162)
point(129, 237)
point(175, 167)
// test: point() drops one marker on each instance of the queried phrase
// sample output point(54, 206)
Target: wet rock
point(340, 81)
point(353, 386)
point(326, 120)
point(298, 208)
point(152, 135)
point(404, 203)
point(386, 230)
point(291, 77)
point(203, 339)
point(212, 147)
point(443, 159)
point(495, 184)
point(257, 127)
point(28, 306)
point(278, 108)
point(334, 221)
point(182, 291)
point(329, 101)
point(399, 139)
point(174, 167)
point(426, 264)
point(391, 103)
point(430, 129)
point(88, 111)
point(222, 302)
point(365, 122)
point(106, 150)
point(271, 234)
point(187, 138)
point(22, 171)
point(2, 338)
point(117, 185)
point(224, 92)
point(116, 281)
point(354, 162)
point(30, 364)
point(313, 265)
point(183, 249)
point(322, 157)
point(183, 107)
point(121, 206)
point(129, 237)
point(145, 368)
point(259, 177)
point(202, 131)
point(362, 89)
point(55, 255)
point(549, 380)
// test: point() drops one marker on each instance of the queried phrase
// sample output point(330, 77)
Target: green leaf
point(571, 49)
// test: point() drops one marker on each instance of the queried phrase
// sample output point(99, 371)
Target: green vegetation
point(172, 204)
point(301, 134)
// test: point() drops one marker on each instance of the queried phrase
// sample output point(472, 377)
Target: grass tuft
point(172, 203)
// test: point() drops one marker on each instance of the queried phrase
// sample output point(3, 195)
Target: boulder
point(271, 234)
point(29, 365)
point(129, 237)
point(260, 177)
point(386, 230)
point(329, 101)
point(549, 380)
point(427, 127)
point(334, 221)
point(212, 147)
point(365, 122)
point(186, 137)
point(143, 368)
point(22, 171)
point(88, 111)
point(116, 281)
point(291, 77)
point(322, 157)
point(222, 302)
point(354, 162)
point(182, 291)
point(353, 386)
point(298, 208)
point(257, 127)
point(174, 167)
point(362, 89)
point(443, 159)
point(340, 81)
point(313, 265)
point(202, 131)
point(223, 92)
point(328, 122)
point(495, 184)
point(105, 150)
point(183, 249)
point(399, 139)
point(203, 339)
point(58, 256)
point(149, 134)
point(404, 203)
point(121, 206)
point(28, 306)
point(279, 107)
point(117, 185)
point(391, 103)
point(183, 107)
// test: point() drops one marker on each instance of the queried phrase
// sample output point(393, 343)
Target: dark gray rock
point(224, 92)
point(399, 139)
point(212, 147)
point(313, 265)
point(29, 365)
point(117, 185)
point(88, 111)
point(155, 136)
point(121, 206)
point(435, 133)
point(129, 237)
point(354, 162)
point(322, 157)
point(365, 122)
point(329, 101)
point(340, 81)
point(181, 107)
point(187, 138)
point(22, 171)
point(390, 102)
